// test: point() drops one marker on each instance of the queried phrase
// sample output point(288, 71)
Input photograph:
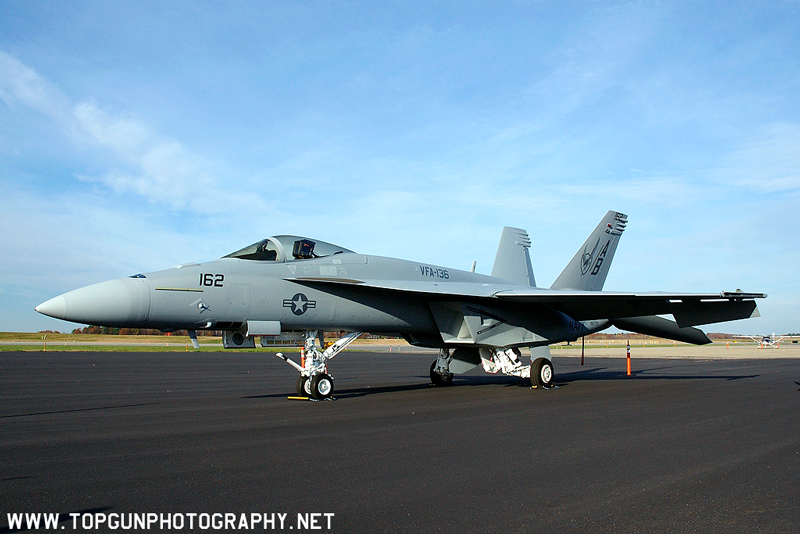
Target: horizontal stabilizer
point(694, 313)
point(660, 327)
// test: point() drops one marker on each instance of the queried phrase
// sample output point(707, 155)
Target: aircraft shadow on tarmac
point(77, 410)
point(396, 388)
point(562, 380)
point(357, 392)
point(602, 373)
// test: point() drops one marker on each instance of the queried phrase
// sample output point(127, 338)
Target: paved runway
point(682, 446)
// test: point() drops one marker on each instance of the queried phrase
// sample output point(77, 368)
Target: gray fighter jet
point(292, 288)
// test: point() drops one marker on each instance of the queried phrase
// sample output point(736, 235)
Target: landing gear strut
point(506, 361)
point(314, 380)
point(440, 369)
point(498, 360)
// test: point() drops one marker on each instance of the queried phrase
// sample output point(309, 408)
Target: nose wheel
point(303, 386)
point(318, 387)
point(321, 386)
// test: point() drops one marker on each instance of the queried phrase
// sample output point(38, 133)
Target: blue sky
point(135, 137)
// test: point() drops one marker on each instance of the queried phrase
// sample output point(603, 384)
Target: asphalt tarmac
point(680, 446)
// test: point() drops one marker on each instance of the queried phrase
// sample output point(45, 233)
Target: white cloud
point(124, 135)
point(157, 168)
point(19, 84)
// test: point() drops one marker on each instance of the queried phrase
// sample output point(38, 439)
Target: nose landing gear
point(314, 381)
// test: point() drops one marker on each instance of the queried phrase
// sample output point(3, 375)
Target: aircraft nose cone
point(123, 302)
point(55, 307)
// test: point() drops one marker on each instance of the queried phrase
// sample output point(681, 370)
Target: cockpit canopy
point(287, 248)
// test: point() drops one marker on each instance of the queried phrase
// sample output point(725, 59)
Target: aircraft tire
point(321, 386)
point(542, 373)
point(302, 387)
point(439, 380)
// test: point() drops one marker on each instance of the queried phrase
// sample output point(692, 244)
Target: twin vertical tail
point(587, 271)
point(513, 262)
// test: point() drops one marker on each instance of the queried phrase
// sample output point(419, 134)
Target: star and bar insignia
point(299, 304)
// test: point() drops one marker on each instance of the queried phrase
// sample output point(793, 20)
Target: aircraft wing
point(688, 309)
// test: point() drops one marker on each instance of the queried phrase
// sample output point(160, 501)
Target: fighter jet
point(292, 288)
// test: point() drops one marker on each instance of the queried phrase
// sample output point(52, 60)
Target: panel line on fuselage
point(191, 289)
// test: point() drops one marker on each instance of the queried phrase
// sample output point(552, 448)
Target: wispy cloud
point(19, 84)
point(157, 168)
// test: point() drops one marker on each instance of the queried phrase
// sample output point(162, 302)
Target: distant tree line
point(110, 331)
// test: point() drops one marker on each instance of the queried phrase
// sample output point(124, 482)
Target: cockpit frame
point(283, 248)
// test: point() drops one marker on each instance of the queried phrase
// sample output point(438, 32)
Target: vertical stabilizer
point(588, 269)
point(513, 261)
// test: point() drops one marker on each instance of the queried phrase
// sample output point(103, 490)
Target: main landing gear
point(498, 360)
point(440, 369)
point(314, 380)
point(542, 373)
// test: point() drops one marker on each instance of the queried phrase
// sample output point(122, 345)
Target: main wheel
point(542, 373)
point(321, 386)
point(439, 380)
point(303, 386)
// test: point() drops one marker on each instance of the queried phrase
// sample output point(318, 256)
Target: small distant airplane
point(767, 341)
point(291, 288)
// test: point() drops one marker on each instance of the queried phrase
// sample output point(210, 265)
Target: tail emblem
point(586, 259)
